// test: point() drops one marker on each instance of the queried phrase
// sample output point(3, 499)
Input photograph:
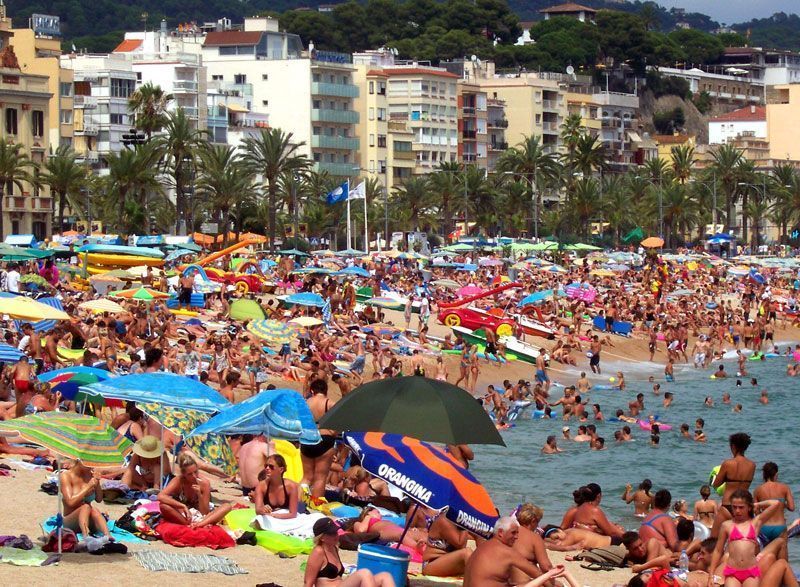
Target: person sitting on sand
point(81, 486)
point(529, 542)
point(142, 471)
point(646, 554)
point(494, 560)
point(587, 513)
point(186, 499)
point(446, 553)
point(274, 495)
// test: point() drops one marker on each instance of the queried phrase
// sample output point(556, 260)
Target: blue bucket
point(383, 559)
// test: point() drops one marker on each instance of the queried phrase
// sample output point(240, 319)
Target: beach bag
point(610, 557)
point(661, 578)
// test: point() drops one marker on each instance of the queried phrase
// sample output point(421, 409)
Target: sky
point(733, 11)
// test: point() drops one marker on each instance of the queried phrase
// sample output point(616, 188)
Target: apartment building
point(473, 146)
point(619, 131)
point(103, 84)
point(783, 118)
point(496, 124)
point(748, 121)
point(25, 104)
point(38, 51)
point(589, 109)
point(729, 85)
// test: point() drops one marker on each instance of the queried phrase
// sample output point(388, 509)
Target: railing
point(498, 146)
point(469, 134)
point(15, 203)
point(326, 142)
point(337, 90)
point(92, 156)
point(190, 111)
point(499, 123)
point(470, 157)
point(89, 130)
point(42, 204)
point(338, 169)
point(340, 116)
point(217, 121)
point(184, 86)
point(84, 101)
point(469, 109)
point(404, 155)
point(550, 104)
point(550, 126)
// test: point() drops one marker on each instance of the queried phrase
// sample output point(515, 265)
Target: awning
point(236, 108)
point(634, 136)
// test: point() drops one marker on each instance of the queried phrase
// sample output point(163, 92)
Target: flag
point(338, 194)
point(360, 192)
point(326, 311)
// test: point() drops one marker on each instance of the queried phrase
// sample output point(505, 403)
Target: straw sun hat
point(148, 447)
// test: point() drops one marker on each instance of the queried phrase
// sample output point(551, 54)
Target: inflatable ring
point(504, 330)
point(701, 531)
point(713, 475)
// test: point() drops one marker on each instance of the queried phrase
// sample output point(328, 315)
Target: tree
point(178, 146)
point(131, 173)
point(700, 47)
point(589, 156)
point(444, 183)
point(224, 181)
point(14, 170)
point(148, 104)
point(683, 160)
point(583, 204)
point(726, 168)
point(414, 204)
point(270, 154)
point(65, 177)
point(679, 210)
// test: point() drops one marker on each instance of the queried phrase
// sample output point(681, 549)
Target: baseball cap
point(325, 526)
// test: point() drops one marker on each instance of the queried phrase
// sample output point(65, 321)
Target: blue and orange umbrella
point(428, 475)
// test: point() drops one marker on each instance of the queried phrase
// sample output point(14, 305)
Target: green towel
point(22, 558)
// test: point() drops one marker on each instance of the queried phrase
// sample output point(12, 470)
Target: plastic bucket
point(383, 559)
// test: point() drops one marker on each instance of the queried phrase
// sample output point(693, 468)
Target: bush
point(702, 101)
point(669, 121)
point(667, 85)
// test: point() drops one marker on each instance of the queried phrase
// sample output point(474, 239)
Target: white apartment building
point(750, 121)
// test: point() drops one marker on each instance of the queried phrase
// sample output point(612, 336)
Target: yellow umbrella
point(22, 308)
point(306, 321)
point(102, 305)
point(602, 273)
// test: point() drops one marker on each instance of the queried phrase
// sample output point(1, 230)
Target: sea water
point(519, 473)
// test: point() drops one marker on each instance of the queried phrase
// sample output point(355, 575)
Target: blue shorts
point(541, 376)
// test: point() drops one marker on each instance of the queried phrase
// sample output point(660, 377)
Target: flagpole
point(366, 231)
point(348, 213)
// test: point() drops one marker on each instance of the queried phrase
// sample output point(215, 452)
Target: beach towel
point(301, 526)
point(272, 541)
point(156, 560)
point(118, 534)
point(22, 558)
point(212, 537)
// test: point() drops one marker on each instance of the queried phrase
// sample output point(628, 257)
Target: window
point(264, 77)
point(239, 78)
point(65, 88)
point(538, 119)
point(372, 114)
point(371, 140)
point(372, 165)
point(138, 76)
point(315, 77)
point(117, 118)
point(37, 121)
point(382, 140)
point(217, 78)
point(11, 121)
point(66, 117)
point(371, 87)
point(317, 157)
point(381, 113)
point(265, 102)
point(122, 88)
point(316, 104)
point(317, 131)
point(382, 88)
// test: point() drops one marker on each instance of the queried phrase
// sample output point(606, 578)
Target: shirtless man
point(185, 293)
point(23, 384)
point(594, 349)
point(541, 372)
point(494, 560)
point(583, 385)
point(567, 402)
point(637, 405)
point(51, 359)
point(252, 458)
point(33, 348)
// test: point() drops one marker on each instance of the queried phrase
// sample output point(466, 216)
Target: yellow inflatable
point(291, 454)
point(123, 260)
point(185, 313)
point(713, 475)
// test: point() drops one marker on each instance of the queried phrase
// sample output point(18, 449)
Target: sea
point(519, 473)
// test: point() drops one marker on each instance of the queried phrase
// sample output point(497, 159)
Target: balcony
point(91, 156)
point(469, 134)
point(550, 127)
point(86, 102)
point(42, 204)
point(498, 123)
point(184, 87)
point(339, 116)
point(15, 203)
point(404, 155)
point(217, 121)
point(498, 146)
point(88, 130)
point(337, 169)
point(469, 110)
point(550, 104)
point(336, 90)
point(190, 111)
point(325, 142)
point(469, 157)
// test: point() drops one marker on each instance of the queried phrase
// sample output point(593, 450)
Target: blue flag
point(338, 194)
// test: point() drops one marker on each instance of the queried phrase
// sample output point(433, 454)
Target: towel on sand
point(156, 560)
point(272, 541)
point(212, 537)
point(118, 534)
point(22, 558)
point(301, 526)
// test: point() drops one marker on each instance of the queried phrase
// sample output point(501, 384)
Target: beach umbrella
point(585, 247)
point(102, 305)
point(181, 421)
point(177, 254)
point(653, 242)
point(10, 354)
point(540, 296)
point(354, 270)
point(294, 252)
point(429, 476)
point(68, 381)
point(23, 308)
point(489, 262)
point(33, 278)
point(545, 246)
point(381, 329)
point(350, 253)
point(245, 310)
point(553, 269)
point(165, 388)
point(306, 298)
point(277, 413)
point(739, 271)
point(446, 283)
point(272, 331)
point(621, 267)
point(458, 248)
point(525, 247)
point(323, 253)
point(469, 290)
point(311, 270)
point(384, 302)
point(115, 274)
point(143, 294)
point(419, 407)
point(306, 321)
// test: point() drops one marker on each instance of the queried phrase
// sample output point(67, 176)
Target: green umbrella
point(545, 246)
point(583, 247)
point(458, 248)
point(294, 252)
point(246, 310)
point(422, 408)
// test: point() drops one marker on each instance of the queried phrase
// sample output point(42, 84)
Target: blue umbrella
point(9, 354)
point(350, 253)
point(177, 254)
point(69, 379)
point(354, 270)
point(164, 388)
point(538, 297)
point(277, 413)
point(306, 299)
point(428, 475)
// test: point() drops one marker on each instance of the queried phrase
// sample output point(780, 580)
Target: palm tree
point(616, 205)
point(480, 193)
point(148, 104)
point(583, 204)
point(589, 156)
point(571, 130)
point(656, 170)
point(65, 177)
point(14, 170)
point(224, 180)
point(756, 210)
point(680, 211)
point(444, 183)
point(414, 203)
point(131, 173)
point(683, 160)
point(270, 154)
point(726, 168)
point(178, 146)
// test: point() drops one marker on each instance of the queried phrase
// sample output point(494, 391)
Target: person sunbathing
point(371, 520)
point(186, 499)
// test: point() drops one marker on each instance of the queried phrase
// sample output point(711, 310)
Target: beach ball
point(612, 379)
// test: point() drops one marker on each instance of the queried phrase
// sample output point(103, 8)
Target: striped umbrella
point(140, 293)
point(102, 305)
point(273, 331)
point(23, 308)
point(71, 436)
point(389, 303)
point(306, 321)
point(44, 325)
point(9, 354)
point(68, 380)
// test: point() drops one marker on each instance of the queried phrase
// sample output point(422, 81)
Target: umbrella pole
point(60, 518)
point(161, 461)
point(407, 526)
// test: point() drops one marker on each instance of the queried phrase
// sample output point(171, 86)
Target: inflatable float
point(713, 475)
point(122, 250)
point(123, 260)
point(645, 425)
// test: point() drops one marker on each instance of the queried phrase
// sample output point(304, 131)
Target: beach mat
point(157, 560)
point(22, 558)
point(272, 541)
point(619, 327)
point(118, 534)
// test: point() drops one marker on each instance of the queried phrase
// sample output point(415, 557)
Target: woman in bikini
point(642, 498)
point(81, 486)
point(371, 520)
point(324, 567)
point(705, 510)
point(587, 513)
point(446, 553)
point(775, 526)
point(317, 458)
point(736, 473)
point(740, 533)
point(186, 499)
point(276, 496)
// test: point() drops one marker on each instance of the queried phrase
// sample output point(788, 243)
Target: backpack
point(610, 557)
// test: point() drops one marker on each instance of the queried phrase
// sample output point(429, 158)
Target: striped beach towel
point(156, 560)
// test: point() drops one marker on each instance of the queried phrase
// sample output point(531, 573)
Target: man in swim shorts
point(594, 358)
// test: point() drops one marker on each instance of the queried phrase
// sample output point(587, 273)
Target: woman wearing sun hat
point(148, 454)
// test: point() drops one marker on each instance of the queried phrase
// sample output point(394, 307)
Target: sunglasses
point(270, 467)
